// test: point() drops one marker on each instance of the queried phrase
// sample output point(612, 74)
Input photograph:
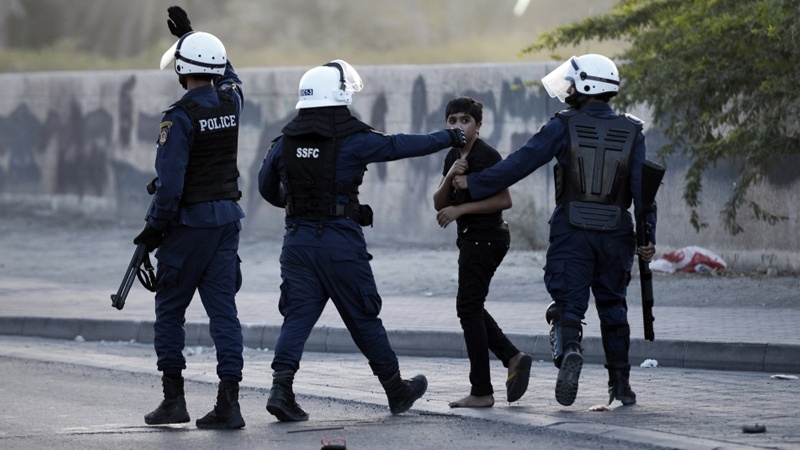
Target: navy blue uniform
point(328, 259)
point(199, 252)
point(579, 261)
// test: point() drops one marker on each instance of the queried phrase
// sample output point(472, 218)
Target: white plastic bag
point(688, 259)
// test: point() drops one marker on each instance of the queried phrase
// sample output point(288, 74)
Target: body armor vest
point(594, 184)
point(212, 173)
point(310, 150)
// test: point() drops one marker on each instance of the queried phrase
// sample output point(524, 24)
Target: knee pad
point(551, 313)
point(616, 343)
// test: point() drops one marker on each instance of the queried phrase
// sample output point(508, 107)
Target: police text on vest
point(304, 152)
point(217, 123)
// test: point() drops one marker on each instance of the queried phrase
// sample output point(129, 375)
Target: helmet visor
point(352, 81)
point(557, 82)
point(169, 55)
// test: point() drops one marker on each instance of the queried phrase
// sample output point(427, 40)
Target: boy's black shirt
point(476, 226)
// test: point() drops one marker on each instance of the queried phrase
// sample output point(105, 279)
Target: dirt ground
point(64, 248)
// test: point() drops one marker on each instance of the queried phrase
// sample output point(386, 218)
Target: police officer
point(313, 171)
point(599, 158)
point(195, 221)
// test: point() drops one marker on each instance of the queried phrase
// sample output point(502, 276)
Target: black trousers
point(477, 263)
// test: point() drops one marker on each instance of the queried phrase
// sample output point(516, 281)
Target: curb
point(734, 356)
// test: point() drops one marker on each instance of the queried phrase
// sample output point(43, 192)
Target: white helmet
point(592, 75)
point(196, 53)
point(332, 84)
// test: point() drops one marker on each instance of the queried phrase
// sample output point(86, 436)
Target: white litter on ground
point(689, 259)
point(781, 376)
point(647, 363)
point(610, 407)
point(199, 350)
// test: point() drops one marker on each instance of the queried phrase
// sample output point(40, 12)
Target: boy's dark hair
point(465, 105)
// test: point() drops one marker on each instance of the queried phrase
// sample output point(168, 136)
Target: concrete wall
point(85, 141)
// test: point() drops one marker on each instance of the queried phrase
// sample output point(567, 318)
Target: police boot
point(553, 317)
point(281, 402)
point(226, 414)
point(571, 362)
point(173, 408)
point(618, 386)
point(403, 393)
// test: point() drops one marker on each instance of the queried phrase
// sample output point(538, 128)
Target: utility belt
point(361, 214)
point(593, 216)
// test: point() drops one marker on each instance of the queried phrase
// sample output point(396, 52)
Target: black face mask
point(182, 80)
point(576, 100)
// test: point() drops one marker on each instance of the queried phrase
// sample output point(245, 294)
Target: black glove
point(150, 236)
point(457, 137)
point(178, 22)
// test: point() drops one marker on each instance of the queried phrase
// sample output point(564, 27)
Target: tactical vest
point(593, 186)
point(212, 172)
point(310, 149)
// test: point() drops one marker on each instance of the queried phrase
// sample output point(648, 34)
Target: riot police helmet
point(331, 84)
point(196, 53)
point(591, 75)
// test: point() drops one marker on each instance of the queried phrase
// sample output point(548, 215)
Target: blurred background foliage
point(719, 77)
point(49, 35)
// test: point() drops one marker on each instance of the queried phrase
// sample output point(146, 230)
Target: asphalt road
point(49, 404)
point(73, 394)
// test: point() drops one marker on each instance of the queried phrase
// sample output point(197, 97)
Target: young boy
point(483, 240)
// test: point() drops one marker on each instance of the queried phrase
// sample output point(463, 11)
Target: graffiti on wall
point(79, 140)
point(98, 143)
point(97, 148)
point(87, 141)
